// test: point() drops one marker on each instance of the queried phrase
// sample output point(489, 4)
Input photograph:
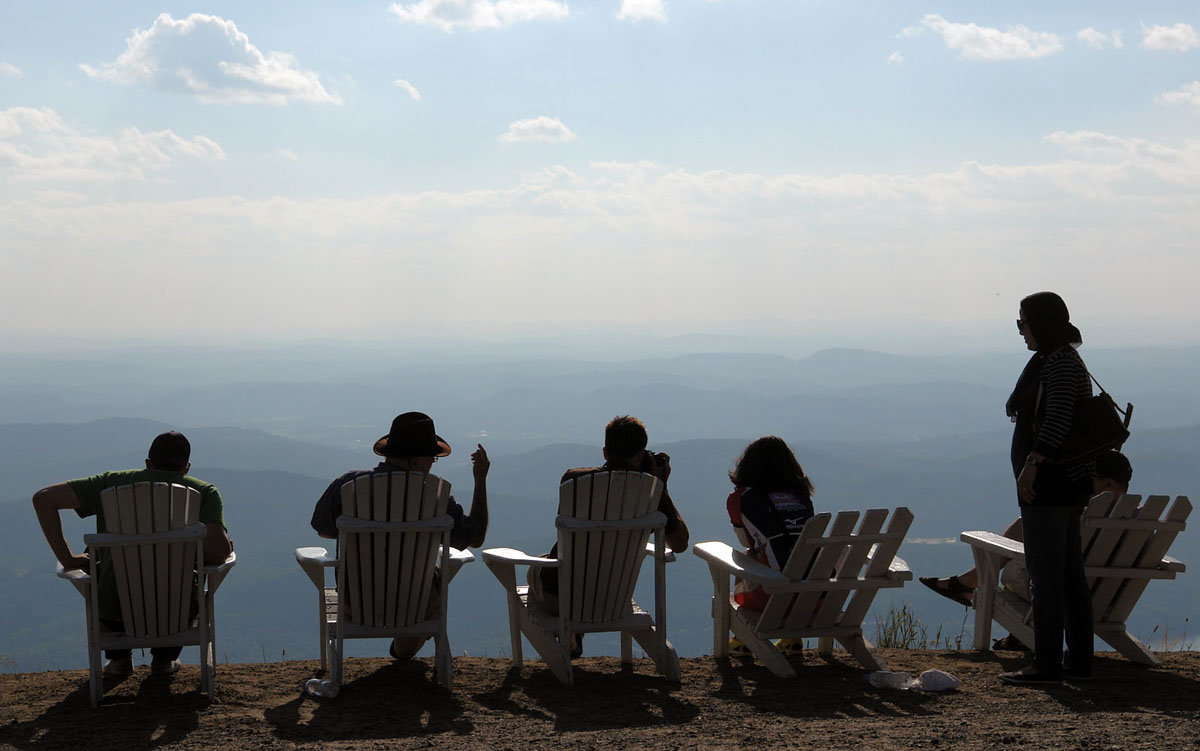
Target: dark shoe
point(1030, 677)
point(119, 668)
point(576, 646)
point(950, 588)
point(160, 668)
point(406, 648)
point(1076, 674)
point(1009, 643)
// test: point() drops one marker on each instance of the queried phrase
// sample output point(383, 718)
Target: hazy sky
point(319, 168)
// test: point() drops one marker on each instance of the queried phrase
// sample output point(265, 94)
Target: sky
point(303, 169)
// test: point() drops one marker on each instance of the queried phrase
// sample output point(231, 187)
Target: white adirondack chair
point(157, 543)
point(1124, 547)
point(393, 538)
point(823, 591)
point(604, 522)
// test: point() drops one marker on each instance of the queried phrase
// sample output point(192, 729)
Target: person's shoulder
point(571, 474)
point(195, 482)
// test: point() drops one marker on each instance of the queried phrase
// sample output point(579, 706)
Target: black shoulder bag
point(1098, 425)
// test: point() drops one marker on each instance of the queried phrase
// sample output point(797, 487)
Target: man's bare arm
point(479, 502)
point(217, 545)
point(47, 503)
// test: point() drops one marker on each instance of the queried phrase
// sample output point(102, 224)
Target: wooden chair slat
point(803, 605)
point(394, 496)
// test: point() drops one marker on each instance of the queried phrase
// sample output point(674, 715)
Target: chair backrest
point(849, 565)
point(154, 580)
point(598, 569)
point(1125, 534)
point(386, 577)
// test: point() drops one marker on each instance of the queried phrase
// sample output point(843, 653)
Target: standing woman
point(1051, 495)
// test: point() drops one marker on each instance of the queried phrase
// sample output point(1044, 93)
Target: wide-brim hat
point(412, 434)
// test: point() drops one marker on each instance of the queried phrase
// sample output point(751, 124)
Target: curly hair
point(769, 464)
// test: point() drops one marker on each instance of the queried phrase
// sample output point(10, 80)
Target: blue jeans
point(1061, 599)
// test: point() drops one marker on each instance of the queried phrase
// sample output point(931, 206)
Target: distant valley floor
point(736, 706)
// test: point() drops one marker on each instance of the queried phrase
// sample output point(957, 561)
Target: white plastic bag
point(937, 680)
point(324, 689)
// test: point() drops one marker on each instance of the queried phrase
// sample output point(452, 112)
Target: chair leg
point(324, 628)
point(771, 658)
point(1127, 644)
point(95, 676)
point(443, 665)
point(626, 648)
point(862, 651)
point(666, 659)
point(825, 646)
point(514, 627)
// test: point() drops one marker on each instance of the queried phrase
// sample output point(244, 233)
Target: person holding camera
point(625, 440)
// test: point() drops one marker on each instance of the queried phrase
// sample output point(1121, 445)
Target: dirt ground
point(716, 706)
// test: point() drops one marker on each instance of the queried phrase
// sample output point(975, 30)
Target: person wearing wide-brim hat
point(413, 445)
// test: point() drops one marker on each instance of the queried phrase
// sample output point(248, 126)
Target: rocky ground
point(717, 706)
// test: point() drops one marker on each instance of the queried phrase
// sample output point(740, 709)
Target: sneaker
point(1076, 674)
point(1030, 677)
point(161, 668)
point(790, 647)
point(737, 649)
point(119, 668)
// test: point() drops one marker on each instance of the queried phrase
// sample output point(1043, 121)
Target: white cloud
point(288, 154)
point(209, 58)
point(545, 129)
point(985, 43)
point(450, 15)
point(1098, 39)
point(1178, 38)
point(408, 89)
point(9, 70)
point(895, 58)
point(910, 244)
point(35, 144)
point(1186, 94)
point(643, 10)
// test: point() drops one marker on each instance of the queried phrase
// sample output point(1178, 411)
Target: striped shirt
point(1063, 381)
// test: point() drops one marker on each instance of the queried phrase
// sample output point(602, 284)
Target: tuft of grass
point(902, 628)
point(1168, 642)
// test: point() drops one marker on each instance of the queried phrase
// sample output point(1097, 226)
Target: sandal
point(790, 647)
point(950, 588)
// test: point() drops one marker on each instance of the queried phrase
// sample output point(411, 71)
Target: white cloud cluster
point(895, 58)
point(1098, 39)
point(407, 88)
point(1185, 95)
point(209, 58)
point(9, 70)
point(864, 244)
point(35, 144)
point(544, 129)
point(472, 15)
point(1178, 38)
point(976, 42)
point(643, 10)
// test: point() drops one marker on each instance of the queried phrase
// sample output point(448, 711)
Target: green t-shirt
point(88, 489)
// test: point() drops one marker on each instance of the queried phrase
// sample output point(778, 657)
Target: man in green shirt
point(167, 461)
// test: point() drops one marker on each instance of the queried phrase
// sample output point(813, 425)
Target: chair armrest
point(898, 570)
point(668, 554)
point(77, 576)
point(721, 557)
point(994, 543)
point(460, 557)
point(216, 574)
point(314, 561)
point(513, 557)
point(1172, 564)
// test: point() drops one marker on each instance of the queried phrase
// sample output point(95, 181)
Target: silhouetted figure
point(413, 445)
point(167, 461)
point(1051, 495)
